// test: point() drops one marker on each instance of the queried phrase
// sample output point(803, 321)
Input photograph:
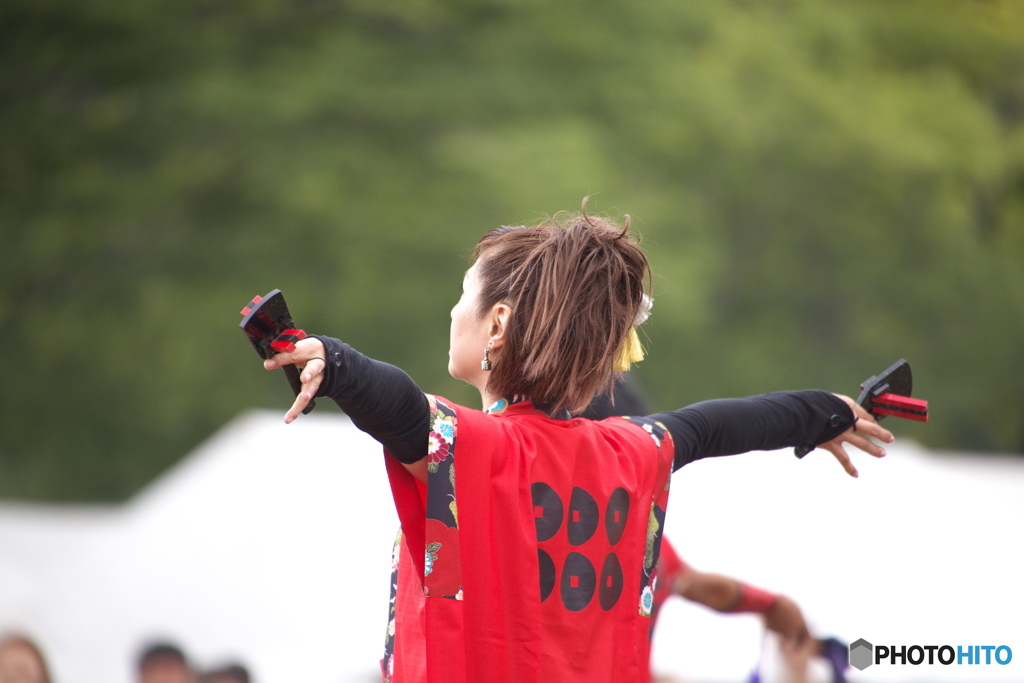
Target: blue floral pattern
point(431, 556)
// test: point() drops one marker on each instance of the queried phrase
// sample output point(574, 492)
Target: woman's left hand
point(863, 427)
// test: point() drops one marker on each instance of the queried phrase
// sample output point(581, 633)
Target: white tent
point(270, 545)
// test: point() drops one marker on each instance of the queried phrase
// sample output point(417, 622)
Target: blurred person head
point(550, 307)
point(233, 673)
point(21, 661)
point(624, 398)
point(164, 663)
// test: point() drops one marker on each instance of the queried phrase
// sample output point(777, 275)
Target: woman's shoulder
point(445, 411)
point(634, 425)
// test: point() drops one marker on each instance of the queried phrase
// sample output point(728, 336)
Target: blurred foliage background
point(823, 188)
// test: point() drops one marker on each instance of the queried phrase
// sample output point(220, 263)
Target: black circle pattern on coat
point(547, 574)
point(583, 516)
point(611, 582)
point(547, 511)
point(615, 515)
point(579, 579)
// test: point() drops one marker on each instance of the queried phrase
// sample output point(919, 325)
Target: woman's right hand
point(309, 357)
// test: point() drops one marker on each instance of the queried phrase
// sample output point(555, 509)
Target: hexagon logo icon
point(861, 654)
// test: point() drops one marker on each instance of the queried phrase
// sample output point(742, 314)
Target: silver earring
point(485, 364)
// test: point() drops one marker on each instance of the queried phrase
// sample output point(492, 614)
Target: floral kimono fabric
point(671, 567)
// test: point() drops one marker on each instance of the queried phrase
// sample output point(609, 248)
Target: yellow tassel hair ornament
point(632, 351)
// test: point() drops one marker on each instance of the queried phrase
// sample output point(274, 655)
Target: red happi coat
point(530, 553)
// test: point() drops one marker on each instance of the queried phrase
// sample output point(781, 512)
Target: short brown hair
point(575, 284)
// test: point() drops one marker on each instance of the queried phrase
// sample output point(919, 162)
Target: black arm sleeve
point(379, 398)
point(383, 401)
point(766, 422)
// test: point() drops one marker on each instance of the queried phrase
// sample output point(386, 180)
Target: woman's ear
point(498, 323)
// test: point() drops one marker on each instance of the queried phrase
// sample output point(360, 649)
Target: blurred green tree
point(823, 188)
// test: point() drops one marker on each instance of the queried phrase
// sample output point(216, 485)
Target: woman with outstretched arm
point(529, 538)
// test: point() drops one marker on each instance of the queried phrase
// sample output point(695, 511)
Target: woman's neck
point(487, 399)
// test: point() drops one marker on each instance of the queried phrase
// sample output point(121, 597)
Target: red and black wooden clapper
point(271, 330)
point(888, 394)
